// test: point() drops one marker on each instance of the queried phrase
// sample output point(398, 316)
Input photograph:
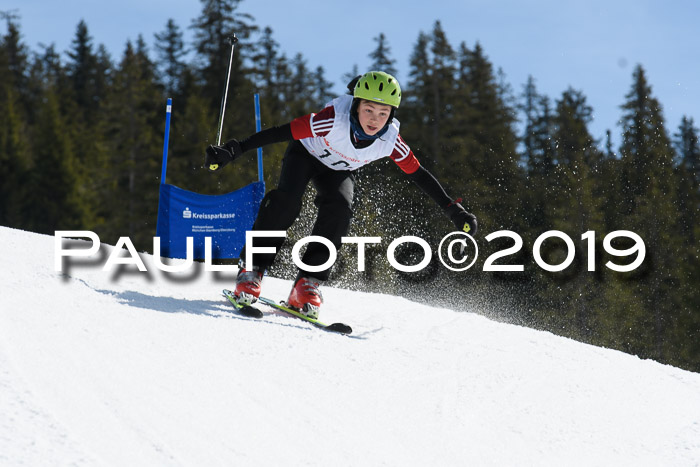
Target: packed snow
point(134, 368)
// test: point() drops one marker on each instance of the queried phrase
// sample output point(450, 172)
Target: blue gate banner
point(225, 218)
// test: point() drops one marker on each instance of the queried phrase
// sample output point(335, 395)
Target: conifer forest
point(81, 141)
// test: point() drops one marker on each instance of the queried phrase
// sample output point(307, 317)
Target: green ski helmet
point(378, 86)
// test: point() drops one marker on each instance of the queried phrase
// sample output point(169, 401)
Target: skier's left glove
point(218, 156)
point(463, 220)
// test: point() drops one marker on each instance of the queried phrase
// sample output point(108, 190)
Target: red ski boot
point(306, 296)
point(248, 286)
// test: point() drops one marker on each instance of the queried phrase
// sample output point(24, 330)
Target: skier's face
point(372, 116)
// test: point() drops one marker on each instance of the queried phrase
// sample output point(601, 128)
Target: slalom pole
point(257, 129)
point(166, 138)
point(232, 40)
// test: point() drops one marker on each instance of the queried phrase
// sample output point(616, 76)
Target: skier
point(325, 148)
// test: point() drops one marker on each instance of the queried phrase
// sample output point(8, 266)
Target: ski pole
point(232, 40)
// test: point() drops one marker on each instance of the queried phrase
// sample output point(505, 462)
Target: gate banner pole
point(168, 112)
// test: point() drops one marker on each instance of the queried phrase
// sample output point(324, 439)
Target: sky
point(591, 46)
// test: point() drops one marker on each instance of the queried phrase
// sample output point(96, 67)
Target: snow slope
point(98, 368)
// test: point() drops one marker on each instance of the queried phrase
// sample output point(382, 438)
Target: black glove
point(218, 156)
point(463, 220)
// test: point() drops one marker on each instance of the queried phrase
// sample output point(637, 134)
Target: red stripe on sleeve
point(313, 125)
point(404, 157)
point(301, 127)
point(322, 122)
point(408, 164)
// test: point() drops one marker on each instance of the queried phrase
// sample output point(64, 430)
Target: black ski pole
point(232, 40)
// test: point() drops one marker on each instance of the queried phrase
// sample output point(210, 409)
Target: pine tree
point(302, 87)
point(170, 49)
point(54, 201)
point(84, 73)
point(648, 209)
point(381, 56)
point(284, 85)
point(82, 99)
point(487, 163)
point(136, 138)
point(645, 141)
point(529, 97)
point(272, 78)
point(218, 20)
point(688, 150)
point(576, 209)
point(414, 112)
point(265, 60)
point(322, 88)
point(425, 105)
point(609, 152)
point(264, 77)
point(14, 154)
point(442, 69)
point(688, 175)
point(17, 62)
point(350, 75)
point(47, 70)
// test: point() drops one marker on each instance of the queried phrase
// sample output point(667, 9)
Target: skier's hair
point(352, 84)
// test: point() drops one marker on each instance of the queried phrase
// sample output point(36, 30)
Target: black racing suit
point(281, 206)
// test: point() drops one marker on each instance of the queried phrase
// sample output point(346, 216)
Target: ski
point(245, 310)
point(340, 328)
point(253, 312)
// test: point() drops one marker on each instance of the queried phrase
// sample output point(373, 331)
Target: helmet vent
point(366, 86)
point(381, 86)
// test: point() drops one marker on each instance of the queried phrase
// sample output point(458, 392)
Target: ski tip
point(245, 310)
point(339, 328)
point(251, 311)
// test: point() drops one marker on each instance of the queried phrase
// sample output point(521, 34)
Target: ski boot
point(248, 286)
point(306, 297)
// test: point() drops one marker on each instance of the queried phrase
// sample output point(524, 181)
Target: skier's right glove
point(463, 220)
point(218, 156)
